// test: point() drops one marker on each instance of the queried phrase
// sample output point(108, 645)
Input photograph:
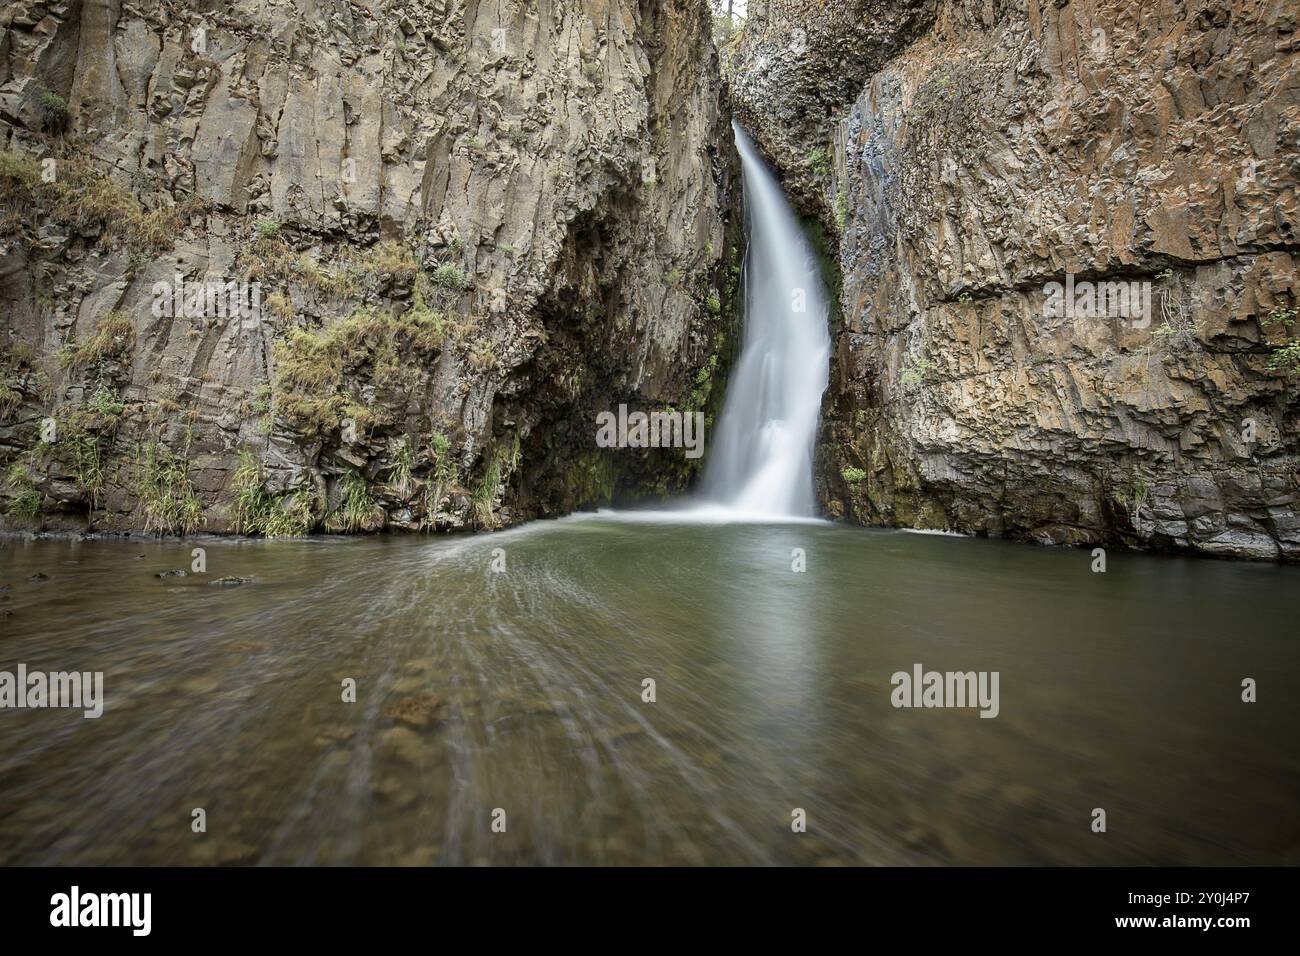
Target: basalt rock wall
point(277, 266)
point(971, 159)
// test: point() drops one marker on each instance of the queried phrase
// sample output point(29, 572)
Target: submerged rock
point(229, 581)
point(417, 712)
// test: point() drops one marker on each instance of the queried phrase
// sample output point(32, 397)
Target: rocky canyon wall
point(273, 266)
point(970, 154)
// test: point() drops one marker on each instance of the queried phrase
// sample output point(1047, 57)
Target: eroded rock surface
point(471, 226)
point(1004, 145)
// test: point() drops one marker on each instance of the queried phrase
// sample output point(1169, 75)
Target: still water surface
point(522, 691)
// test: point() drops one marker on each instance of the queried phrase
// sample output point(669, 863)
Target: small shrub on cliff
point(106, 402)
point(54, 112)
point(1279, 317)
point(267, 228)
point(399, 475)
point(27, 506)
point(1286, 358)
point(853, 475)
point(453, 277)
point(818, 162)
point(87, 466)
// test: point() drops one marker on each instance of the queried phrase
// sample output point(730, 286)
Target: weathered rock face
point(1012, 145)
point(464, 229)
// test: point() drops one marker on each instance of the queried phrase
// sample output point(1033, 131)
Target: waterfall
point(760, 458)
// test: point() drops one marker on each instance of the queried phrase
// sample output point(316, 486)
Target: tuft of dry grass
point(112, 340)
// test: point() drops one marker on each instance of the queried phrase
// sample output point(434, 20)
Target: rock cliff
point(969, 161)
point(270, 266)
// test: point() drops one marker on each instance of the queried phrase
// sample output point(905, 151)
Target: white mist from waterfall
point(759, 458)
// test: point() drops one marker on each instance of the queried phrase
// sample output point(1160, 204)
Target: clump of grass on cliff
point(270, 257)
point(500, 465)
point(54, 112)
point(311, 368)
point(257, 511)
point(356, 509)
point(26, 505)
point(164, 489)
point(112, 341)
point(77, 192)
point(10, 399)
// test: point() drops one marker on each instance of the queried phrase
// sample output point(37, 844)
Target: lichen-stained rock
point(461, 229)
point(1008, 145)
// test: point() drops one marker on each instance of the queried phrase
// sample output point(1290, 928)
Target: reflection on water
point(522, 691)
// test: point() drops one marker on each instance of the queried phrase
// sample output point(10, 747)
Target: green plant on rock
point(26, 505)
point(452, 277)
point(54, 112)
point(853, 476)
point(164, 489)
point(257, 511)
point(1278, 317)
point(841, 210)
point(356, 508)
point(486, 492)
point(445, 466)
point(818, 162)
point(915, 369)
point(267, 227)
point(399, 474)
point(106, 402)
point(1286, 358)
point(87, 466)
point(444, 475)
point(311, 368)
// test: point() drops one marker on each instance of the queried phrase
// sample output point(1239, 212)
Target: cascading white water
point(760, 458)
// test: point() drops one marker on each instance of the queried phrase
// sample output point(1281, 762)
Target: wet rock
point(403, 745)
point(229, 581)
point(417, 712)
point(39, 576)
point(174, 573)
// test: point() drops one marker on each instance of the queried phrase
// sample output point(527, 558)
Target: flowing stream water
point(486, 694)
